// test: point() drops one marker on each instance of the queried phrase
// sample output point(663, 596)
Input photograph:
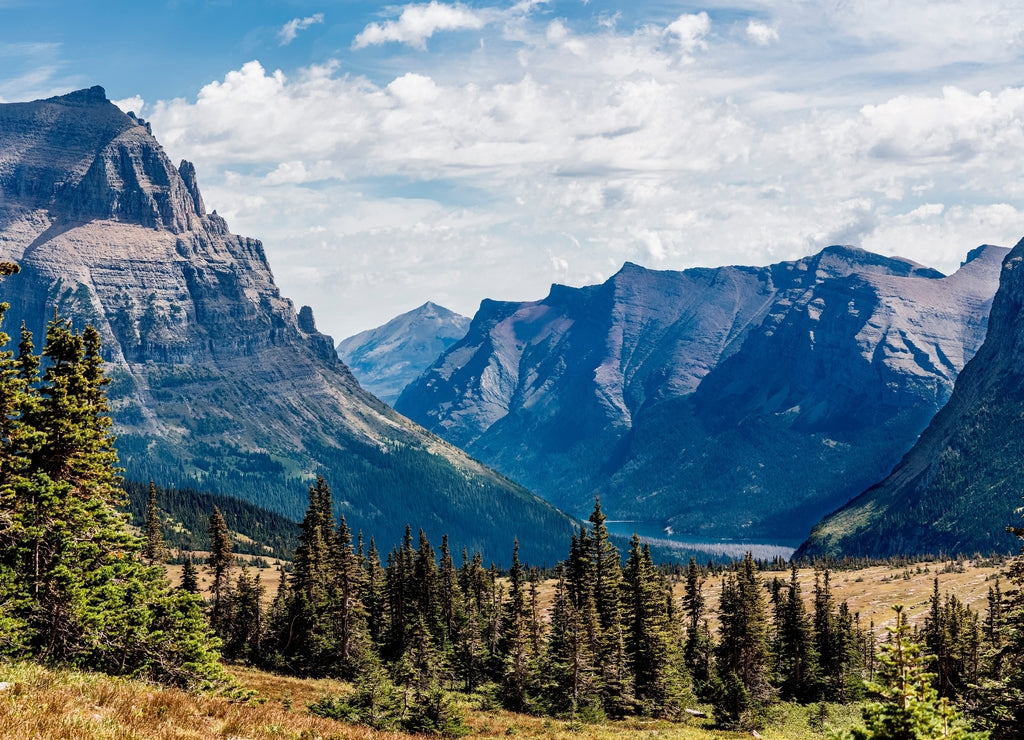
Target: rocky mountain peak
point(957, 488)
point(188, 175)
point(217, 382)
point(843, 260)
point(389, 357)
point(100, 164)
point(94, 95)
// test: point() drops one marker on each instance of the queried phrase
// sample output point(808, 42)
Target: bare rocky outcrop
point(959, 486)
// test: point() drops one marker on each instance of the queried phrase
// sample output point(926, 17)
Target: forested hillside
point(185, 514)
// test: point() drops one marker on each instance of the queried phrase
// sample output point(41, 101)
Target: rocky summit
point(960, 486)
point(217, 382)
point(733, 402)
point(388, 358)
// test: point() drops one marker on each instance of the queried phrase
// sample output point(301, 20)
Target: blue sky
point(451, 151)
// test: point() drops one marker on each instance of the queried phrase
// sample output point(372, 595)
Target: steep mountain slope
point(960, 485)
point(217, 382)
point(388, 358)
point(729, 402)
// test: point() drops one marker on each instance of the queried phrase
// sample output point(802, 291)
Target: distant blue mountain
point(388, 358)
point(734, 402)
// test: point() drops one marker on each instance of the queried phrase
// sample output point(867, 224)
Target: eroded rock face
point(388, 358)
point(217, 381)
point(726, 402)
point(959, 486)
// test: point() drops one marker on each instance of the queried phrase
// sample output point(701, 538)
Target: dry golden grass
point(44, 704)
point(41, 704)
point(269, 577)
point(871, 592)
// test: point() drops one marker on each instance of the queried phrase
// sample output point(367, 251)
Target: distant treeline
point(186, 514)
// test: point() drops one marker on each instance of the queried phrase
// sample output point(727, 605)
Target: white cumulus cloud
point(417, 23)
point(761, 33)
point(291, 29)
point(689, 31)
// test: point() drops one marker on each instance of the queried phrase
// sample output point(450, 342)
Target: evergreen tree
point(469, 651)
point(615, 682)
point(743, 648)
point(519, 674)
point(399, 577)
point(796, 657)
point(189, 576)
point(837, 641)
point(72, 583)
point(154, 551)
point(952, 635)
point(13, 394)
point(72, 532)
point(349, 615)
point(426, 602)
point(374, 597)
point(243, 619)
point(655, 655)
point(1001, 695)
point(994, 625)
point(910, 708)
point(569, 675)
point(698, 652)
point(219, 564)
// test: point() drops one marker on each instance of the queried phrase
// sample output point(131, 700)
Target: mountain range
point(216, 381)
point(741, 403)
point(388, 358)
point(962, 483)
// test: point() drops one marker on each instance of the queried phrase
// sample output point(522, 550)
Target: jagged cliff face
point(217, 382)
point(727, 402)
point(960, 485)
point(388, 358)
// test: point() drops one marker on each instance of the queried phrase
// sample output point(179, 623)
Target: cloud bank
point(554, 150)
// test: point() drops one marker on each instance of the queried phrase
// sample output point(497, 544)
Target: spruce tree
point(519, 672)
point(1001, 695)
point(837, 642)
point(743, 655)
point(615, 681)
point(374, 597)
point(243, 619)
point(399, 580)
point(910, 708)
point(219, 564)
point(796, 656)
point(655, 655)
point(569, 675)
point(71, 574)
point(189, 576)
point(699, 649)
point(154, 550)
point(349, 614)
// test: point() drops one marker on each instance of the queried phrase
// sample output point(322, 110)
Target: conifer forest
point(415, 631)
